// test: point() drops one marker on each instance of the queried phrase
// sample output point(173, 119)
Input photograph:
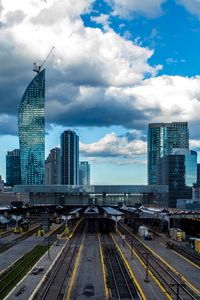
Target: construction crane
point(36, 68)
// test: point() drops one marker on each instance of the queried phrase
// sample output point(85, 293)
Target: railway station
point(99, 252)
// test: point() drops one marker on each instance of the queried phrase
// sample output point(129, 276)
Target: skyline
point(117, 66)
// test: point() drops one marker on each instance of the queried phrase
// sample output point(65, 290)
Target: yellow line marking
point(170, 267)
point(152, 275)
point(103, 268)
point(70, 236)
point(186, 259)
point(130, 271)
point(74, 271)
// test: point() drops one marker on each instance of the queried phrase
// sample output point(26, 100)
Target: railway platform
point(26, 288)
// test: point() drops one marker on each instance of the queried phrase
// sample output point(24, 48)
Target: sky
point(117, 66)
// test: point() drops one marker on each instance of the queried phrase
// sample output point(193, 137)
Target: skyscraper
point(69, 141)
point(179, 171)
point(32, 131)
point(84, 173)
point(52, 167)
point(13, 172)
point(162, 138)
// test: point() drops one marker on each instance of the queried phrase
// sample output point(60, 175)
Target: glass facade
point(52, 167)
point(69, 141)
point(84, 173)
point(32, 131)
point(179, 172)
point(13, 173)
point(162, 138)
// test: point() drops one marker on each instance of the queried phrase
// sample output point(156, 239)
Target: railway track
point(57, 282)
point(170, 280)
point(193, 257)
point(120, 283)
point(6, 246)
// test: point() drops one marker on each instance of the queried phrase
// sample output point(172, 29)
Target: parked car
point(148, 236)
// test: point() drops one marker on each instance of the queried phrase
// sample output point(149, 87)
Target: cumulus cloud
point(94, 77)
point(160, 99)
point(8, 125)
point(130, 8)
point(195, 144)
point(86, 60)
point(193, 6)
point(103, 20)
point(112, 145)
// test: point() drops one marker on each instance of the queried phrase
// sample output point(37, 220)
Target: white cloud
point(175, 98)
point(86, 56)
point(129, 8)
point(102, 19)
point(112, 145)
point(194, 144)
point(193, 6)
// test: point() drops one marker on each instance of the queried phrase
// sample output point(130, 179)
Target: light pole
point(147, 267)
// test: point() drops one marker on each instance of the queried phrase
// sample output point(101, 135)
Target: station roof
point(91, 210)
point(3, 220)
point(74, 211)
point(112, 211)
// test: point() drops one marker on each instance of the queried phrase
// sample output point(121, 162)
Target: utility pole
point(131, 247)
point(178, 285)
point(147, 267)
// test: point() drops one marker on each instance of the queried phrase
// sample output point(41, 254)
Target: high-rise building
point(52, 167)
point(84, 173)
point(69, 141)
point(179, 172)
point(198, 175)
point(162, 138)
point(1, 184)
point(32, 131)
point(13, 172)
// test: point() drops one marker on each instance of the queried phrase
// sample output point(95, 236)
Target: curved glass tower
point(32, 131)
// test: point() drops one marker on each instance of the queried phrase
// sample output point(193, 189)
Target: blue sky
point(117, 66)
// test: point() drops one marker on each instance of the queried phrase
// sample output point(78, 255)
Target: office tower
point(1, 184)
point(13, 173)
point(179, 171)
point(69, 141)
point(198, 175)
point(32, 131)
point(52, 167)
point(84, 173)
point(162, 138)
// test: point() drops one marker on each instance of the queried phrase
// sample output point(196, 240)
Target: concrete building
point(52, 167)
point(32, 131)
point(84, 173)
point(162, 138)
point(179, 172)
point(13, 171)
point(69, 142)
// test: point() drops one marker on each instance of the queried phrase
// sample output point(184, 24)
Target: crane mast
point(37, 68)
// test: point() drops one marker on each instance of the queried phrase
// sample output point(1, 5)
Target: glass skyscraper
point(13, 173)
point(179, 172)
point(84, 173)
point(52, 167)
point(69, 141)
point(162, 138)
point(32, 131)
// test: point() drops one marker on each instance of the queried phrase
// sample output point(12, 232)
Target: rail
point(120, 283)
point(54, 287)
point(166, 276)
